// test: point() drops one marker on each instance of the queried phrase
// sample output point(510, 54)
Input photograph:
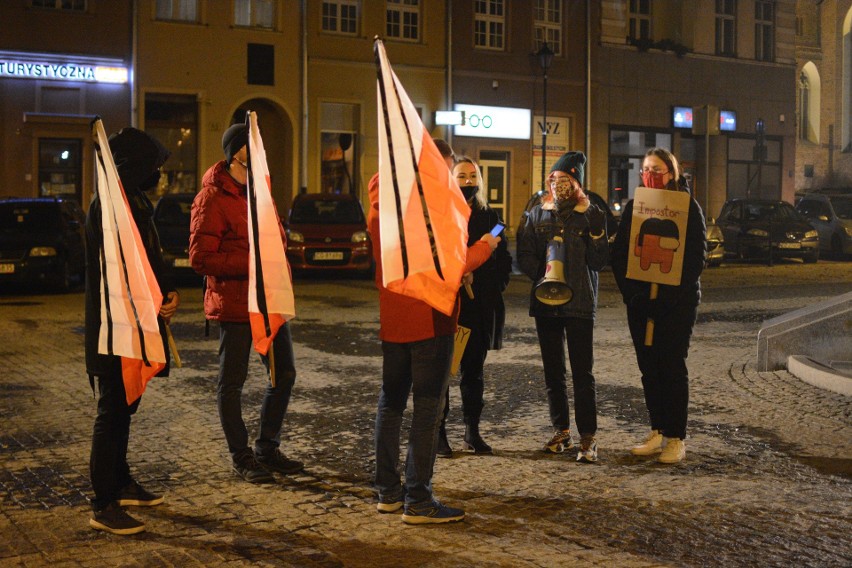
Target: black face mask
point(469, 191)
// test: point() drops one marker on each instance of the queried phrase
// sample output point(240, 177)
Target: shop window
point(403, 19)
point(173, 120)
point(177, 10)
point(626, 151)
point(260, 64)
point(340, 16)
point(338, 162)
point(547, 25)
point(750, 178)
point(254, 13)
point(69, 5)
point(60, 167)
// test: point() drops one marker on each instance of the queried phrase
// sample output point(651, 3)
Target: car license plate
point(7, 268)
point(328, 256)
point(790, 245)
point(182, 263)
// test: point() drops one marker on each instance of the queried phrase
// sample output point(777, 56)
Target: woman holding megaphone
point(562, 248)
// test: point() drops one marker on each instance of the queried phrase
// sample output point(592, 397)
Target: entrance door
point(60, 167)
point(495, 170)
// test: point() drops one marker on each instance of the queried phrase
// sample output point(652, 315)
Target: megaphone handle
point(649, 327)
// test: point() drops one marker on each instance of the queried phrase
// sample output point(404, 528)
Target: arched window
point(809, 103)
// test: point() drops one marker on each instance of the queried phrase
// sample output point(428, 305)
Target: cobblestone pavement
point(766, 480)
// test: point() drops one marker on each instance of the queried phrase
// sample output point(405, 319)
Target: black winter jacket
point(585, 256)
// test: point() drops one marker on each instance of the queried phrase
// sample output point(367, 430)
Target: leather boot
point(443, 449)
point(473, 441)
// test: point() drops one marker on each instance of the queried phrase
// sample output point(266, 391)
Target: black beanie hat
point(234, 138)
point(138, 156)
point(572, 163)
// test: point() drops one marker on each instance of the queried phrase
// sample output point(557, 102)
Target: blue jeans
point(235, 346)
point(425, 367)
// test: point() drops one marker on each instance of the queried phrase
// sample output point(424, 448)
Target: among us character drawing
point(656, 244)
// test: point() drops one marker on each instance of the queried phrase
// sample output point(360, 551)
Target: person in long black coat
point(484, 314)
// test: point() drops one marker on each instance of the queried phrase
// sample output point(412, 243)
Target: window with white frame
point(177, 10)
point(639, 19)
point(255, 13)
point(489, 24)
point(403, 19)
point(548, 25)
point(70, 5)
point(764, 30)
point(726, 27)
point(340, 16)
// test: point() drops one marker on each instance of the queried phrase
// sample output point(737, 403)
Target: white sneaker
point(652, 444)
point(674, 451)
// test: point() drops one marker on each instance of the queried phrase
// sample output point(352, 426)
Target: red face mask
point(654, 180)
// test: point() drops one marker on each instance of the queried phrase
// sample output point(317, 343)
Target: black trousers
point(665, 378)
point(108, 468)
point(578, 334)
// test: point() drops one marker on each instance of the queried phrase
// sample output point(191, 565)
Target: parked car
point(831, 216)
point(42, 241)
point(328, 231)
point(753, 227)
point(171, 217)
point(715, 243)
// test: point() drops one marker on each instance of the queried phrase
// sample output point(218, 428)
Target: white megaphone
point(553, 289)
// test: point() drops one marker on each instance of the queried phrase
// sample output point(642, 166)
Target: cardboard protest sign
point(657, 236)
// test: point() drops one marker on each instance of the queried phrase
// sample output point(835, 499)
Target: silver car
point(831, 216)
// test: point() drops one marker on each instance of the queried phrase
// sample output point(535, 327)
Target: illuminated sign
point(449, 117)
point(18, 65)
point(682, 118)
point(494, 122)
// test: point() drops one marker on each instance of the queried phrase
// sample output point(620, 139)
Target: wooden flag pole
point(469, 290)
point(649, 327)
point(271, 356)
point(173, 346)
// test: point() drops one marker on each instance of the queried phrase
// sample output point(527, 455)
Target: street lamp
point(545, 58)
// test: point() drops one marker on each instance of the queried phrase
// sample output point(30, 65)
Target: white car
point(831, 216)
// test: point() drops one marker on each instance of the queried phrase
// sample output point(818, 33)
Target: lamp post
point(545, 58)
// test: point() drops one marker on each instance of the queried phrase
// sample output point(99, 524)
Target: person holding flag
point(665, 377)
point(137, 158)
point(220, 248)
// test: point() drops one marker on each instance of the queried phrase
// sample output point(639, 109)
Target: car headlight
point(811, 235)
point(757, 233)
point(296, 237)
point(359, 236)
point(42, 251)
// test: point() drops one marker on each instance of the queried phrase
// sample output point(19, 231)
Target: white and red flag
point(422, 213)
point(130, 294)
point(271, 301)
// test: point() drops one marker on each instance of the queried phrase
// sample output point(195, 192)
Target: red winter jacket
point(218, 244)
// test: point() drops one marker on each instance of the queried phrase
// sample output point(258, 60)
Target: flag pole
point(173, 346)
point(649, 327)
point(271, 356)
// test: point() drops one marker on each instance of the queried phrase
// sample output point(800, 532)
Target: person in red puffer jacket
point(219, 250)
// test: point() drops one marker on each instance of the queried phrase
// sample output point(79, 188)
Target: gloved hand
point(596, 219)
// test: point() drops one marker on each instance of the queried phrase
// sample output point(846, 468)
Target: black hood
point(138, 157)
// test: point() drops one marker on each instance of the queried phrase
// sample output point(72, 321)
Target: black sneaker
point(247, 467)
point(391, 505)
point(113, 519)
point(135, 494)
point(431, 513)
point(280, 463)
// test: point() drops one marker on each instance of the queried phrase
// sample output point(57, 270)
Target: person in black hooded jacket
point(138, 158)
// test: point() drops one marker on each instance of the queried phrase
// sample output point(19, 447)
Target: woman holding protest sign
point(661, 316)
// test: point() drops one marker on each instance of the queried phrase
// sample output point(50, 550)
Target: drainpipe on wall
point(449, 56)
point(134, 49)
point(589, 84)
point(303, 166)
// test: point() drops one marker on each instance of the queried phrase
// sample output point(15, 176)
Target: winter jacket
point(404, 319)
point(636, 293)
point(219, 246)
point(486, 311)
point(138, 158)
point(585, 256)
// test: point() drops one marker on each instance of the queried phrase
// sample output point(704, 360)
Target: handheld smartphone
point(498, 228)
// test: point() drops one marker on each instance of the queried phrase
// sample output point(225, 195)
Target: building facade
point(823, 94)
point(52, 85)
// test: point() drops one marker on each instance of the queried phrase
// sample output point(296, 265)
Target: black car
point(754, 228)
point(171, 218)
point(42, 242)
